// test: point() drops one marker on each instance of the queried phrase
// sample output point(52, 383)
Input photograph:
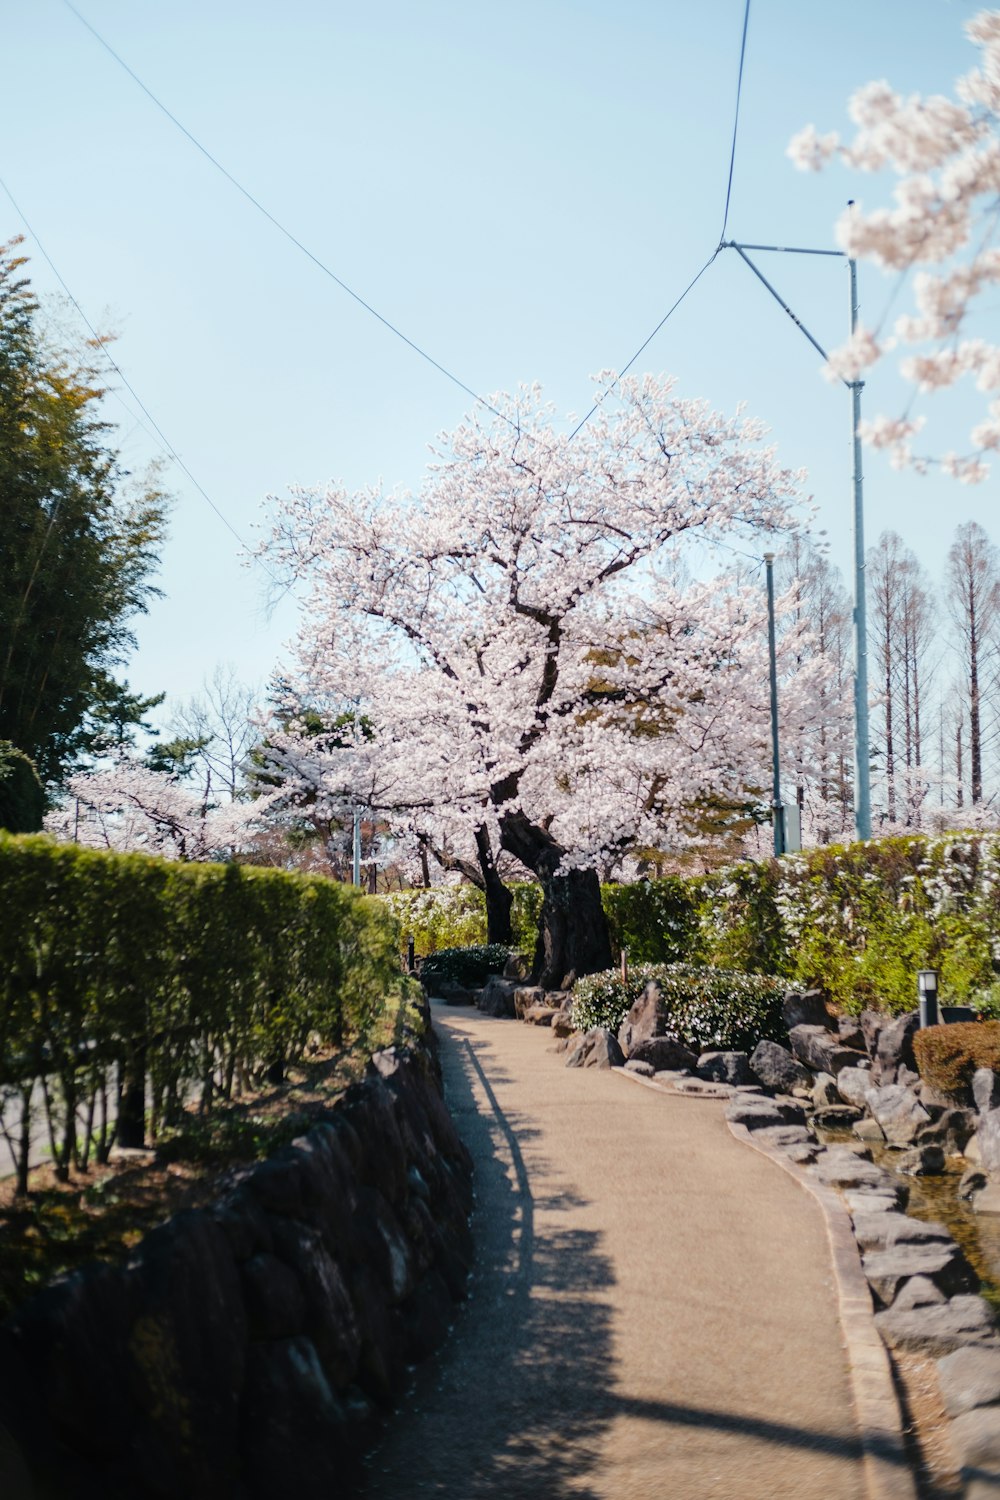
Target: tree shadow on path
point(518, 1402)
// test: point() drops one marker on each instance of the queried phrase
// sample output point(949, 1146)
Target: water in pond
point(936, 1199)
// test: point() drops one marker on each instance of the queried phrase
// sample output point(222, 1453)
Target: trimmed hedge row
point(708, 1008)
point(195, 976)
point(856, 920)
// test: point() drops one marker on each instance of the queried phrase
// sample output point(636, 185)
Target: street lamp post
point(777, 810)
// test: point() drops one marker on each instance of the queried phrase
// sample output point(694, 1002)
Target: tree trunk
point(572, 928)
point(499, 899)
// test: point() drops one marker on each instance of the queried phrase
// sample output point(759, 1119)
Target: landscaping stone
point(527, 995)
point(451, 992)
point(841, 1168)
point(805, 1155)
point(643, 1069)
point(805, 1008)
point(868, 1130)
point(988, 1137)
point(921, 1161)
point(969, 1378)
point(850, 1033)
point(975, 1442)
point(663, 1053)
point(986, 1089)
point(836, 1116)
point(758, 1113)
point(782, 1136)
point(821, 1050)
point(824, 1091)
point(539, 1015)
point(497, 997)
point(777, 1069)
point(871, 1023)
point(889, 1196)
point(646, 1018)
point(987, 1201)
point(596, 1049)
point(724, 1067)
point(518, 966)
point(895, 1047)
point(880, 1230)
point(853, 1085)
point(950, 1128)
point(562, 1021)
point(972, 1181)
point(919, 1291)
point(939, 1330)
point(899, 1112)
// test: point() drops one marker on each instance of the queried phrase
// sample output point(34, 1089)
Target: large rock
point(777, 1069)
point(938, 1330)
point(884, 1229)
point(899, 1112)
point(666, 1054)
point(821, 1050)
point(824, 1091)
point(988, 1137)
point(986, 1089)
point(293, 1423)
point(497, 997)
point(969, 1378)
point(805, 1008)
point(725, 1067)
point(853, 1085)
point(975, 1442)
point(895, 1047)
point(540, 1015)
point(851, 1035)
point(938, 1260)
point(525, 996)
point(871, 1023)
point(842, 1168)
point(758, 1113)
point(450, 991)
point(596, 1049)
point(647, 1017)
point(921, 1161)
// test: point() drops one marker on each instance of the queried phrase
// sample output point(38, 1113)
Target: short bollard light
point(411, 958)
point(927, 992)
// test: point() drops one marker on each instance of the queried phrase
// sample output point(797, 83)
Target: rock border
point(887, 1471)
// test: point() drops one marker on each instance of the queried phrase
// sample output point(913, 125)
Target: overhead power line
point(101, 344)
point(281, 228)
point(725, 221)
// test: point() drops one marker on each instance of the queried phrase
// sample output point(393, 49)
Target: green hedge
point(203, 975)
point(856, 920)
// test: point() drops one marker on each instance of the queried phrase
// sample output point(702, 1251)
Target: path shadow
point(518, 1403)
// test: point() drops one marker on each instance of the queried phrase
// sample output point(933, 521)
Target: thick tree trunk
point(499, 899)
point(572, 928)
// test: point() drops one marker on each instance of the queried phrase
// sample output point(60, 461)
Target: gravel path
point(652, 1315)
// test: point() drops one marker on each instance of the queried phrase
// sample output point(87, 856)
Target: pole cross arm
point(732, 245)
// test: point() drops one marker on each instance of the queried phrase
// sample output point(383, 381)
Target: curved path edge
point(887, 1471)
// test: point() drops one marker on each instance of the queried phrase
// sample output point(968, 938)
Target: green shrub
point(947, 1056)
point(468, 966)
point(655, 921)
point(22, 800)
point(709, 1008)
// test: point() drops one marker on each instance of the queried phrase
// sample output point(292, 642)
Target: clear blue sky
point(523, 188)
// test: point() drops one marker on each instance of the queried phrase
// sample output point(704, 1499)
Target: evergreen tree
point(77, 546)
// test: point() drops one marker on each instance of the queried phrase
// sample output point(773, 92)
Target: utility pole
point(777, 810)
point(862, 777)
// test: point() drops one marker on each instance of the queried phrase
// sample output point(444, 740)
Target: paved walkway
point(652, 1315)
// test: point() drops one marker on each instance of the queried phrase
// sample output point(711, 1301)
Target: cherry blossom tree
point(127, 807)
point(500, 630)
point(946, 154)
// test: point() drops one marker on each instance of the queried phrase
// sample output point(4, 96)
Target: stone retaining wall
point(248, 1350)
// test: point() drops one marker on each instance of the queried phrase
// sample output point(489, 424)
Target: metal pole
point(777, 810)
point(862, 776)
point(357, 846)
